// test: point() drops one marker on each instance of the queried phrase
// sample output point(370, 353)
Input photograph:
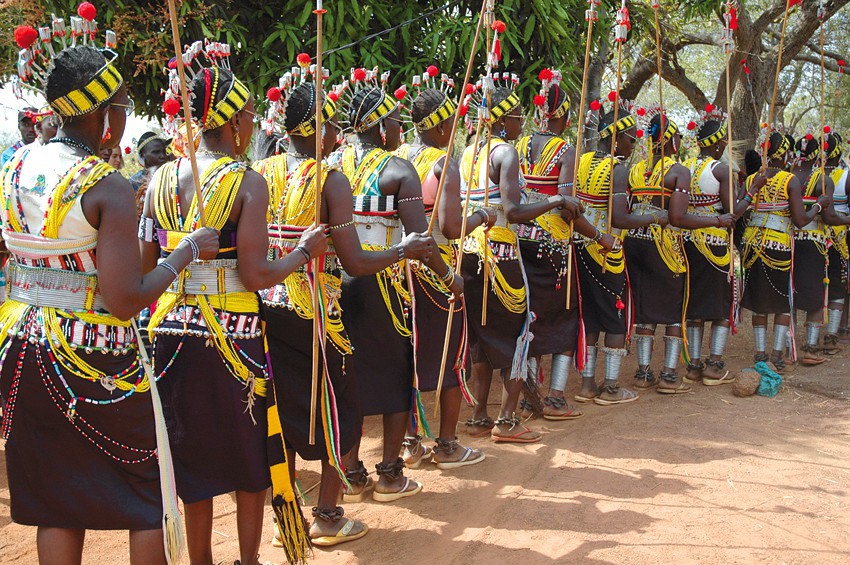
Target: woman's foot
point(392, 485)
point(331, 528)
point(556, 408)
point(511, 430)
point(450, 454)
point(589, 391)
point(810, 356)
point(831, 344)
point(716, 373)
point(479, 427)
point(613, 394)
point(361, 484)
point(695, 372)
point(671, 383)
point(527, 410)
point(779, 363)
point(645, 379)
point(414, 453)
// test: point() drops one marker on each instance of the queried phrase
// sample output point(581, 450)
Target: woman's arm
point(504, 171)
point(678, 208)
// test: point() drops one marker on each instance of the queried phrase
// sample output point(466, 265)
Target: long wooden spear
point(729, 45)
point(488, 98)
point(788, 5)
point(621, 32)
point(318, 328)
point(662, 115)
point(590, 17)
point(187, 112)
point(441, 185)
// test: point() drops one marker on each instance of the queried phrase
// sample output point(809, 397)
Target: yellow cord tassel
point(513, 299)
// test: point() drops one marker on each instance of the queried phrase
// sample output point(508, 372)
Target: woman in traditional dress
point(839, 253)
point(207, 332)
point(377, 309)
point(709, 256)
point(547, 162)
point(81, 450)
point(291, 177)
point(604, 287)
point(432, 112)
point(502, 343)
point(776, 197)
point(654, 254)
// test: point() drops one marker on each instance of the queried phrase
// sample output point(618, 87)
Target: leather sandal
point(645, 380)
point(517, 433)
point(671, 384)
point(557, 409)
point(361, 483)
point(448, 448)
point(343, 535)
point(720, 367)
point(486, 423)
point(414, 453)
point(695, 372)
point(612, 395)
point(394, 471)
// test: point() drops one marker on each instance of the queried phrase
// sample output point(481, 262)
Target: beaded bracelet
point(400, 250)
point(565, 185)
point(408, 199)
point(341, 226)
point(449, 277)
point(169, 268)
point(304, 252)
point(485, 219)
point(598, 237)
point(196, 252)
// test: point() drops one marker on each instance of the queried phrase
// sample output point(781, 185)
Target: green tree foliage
point(268, 35)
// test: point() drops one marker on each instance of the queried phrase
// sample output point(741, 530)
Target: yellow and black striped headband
point(385, 107)
point(562, 110)
point(713, 138)
point(101, 88)
point(672, 129)
point(836, 151)
point(782, 148)
point(441, 114)
point(504, 106)
point(308, 126)
point(622, 124)
point(231, 103)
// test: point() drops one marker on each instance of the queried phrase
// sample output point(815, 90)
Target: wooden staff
point(488, 98)
point(775, 86)
point(318, 77)
point(439, 194)
point(590, 16)
point(729, 52)
point(662, 117)
point(620, 34)
point(821, 17)
point(187, 113)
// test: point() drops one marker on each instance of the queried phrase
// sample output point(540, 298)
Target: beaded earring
point(383, 130)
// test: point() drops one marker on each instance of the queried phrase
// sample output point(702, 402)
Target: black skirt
point(383, 359)
point(107, 479)
point(710, 290)
point(432, 313)
point(765, 289)
point(555, 327)
point(809, 273)
point(837, 276)
point(599, 292)
point(496, 342)
point(290, 340)
point(217, 447)
point(657, 292)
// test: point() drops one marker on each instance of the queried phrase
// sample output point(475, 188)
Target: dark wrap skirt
point(837, 276)
point(217, 447)
point(383, 359)
point(290, 340)
point(710, 290)
point(599, 292)
point(60, 478)
point(809, 274)
point(555, 327)
point(657, 292)
point(765, 289)
point(496, 342)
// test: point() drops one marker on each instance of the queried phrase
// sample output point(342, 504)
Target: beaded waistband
point(770, 221)
point(54, 288)
point(220, 276)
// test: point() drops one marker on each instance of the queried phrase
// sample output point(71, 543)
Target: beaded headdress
point(428, 80)
point(832, 143)
point(549, 79)
point(695, 135)
point(367, 117)
point(627, 118)
point(216, 114)
point(277, 97)
point(477, 96)
point(784, 143)
point(38, 48)
point(808, 147)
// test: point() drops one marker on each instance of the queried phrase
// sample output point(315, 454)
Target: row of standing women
point(230, 256)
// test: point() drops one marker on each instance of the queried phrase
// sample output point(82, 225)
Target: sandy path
point(699, 477)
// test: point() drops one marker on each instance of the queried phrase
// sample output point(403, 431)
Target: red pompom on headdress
point(333, 95)
point(792, 3)
point(539, 100)
point(274, 94)
point(709, 108)
point(171, 107)
point(692, 125)
point(470, 88)
point(499, 26)
point(809, 137)
point(303, 60)
point(827, 129)
point(595, 105)
point(641, 111)
point(127, 150)
point(401, 92)
point(463, 110)
point(432, 71)
point(25, 36)
point(546, 75)
point(359, 74)
point(172, 63)
point(87, 11)
point(639, 134)
point(612, 96)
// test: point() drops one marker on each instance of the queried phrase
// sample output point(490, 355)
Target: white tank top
point(840, 195)
point(708, 183)
point(43, 168)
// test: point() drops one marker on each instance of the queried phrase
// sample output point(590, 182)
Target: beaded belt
point(770, 221)
point(54, 288)
point(220, 276)
point(380, 231)
point(538, 197)
point(599, 218)
point(710, 239)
